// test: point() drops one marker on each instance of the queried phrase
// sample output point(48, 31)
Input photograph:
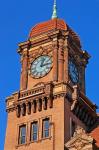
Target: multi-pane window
point(22, 134)
point(46, 128)
point(34, 131)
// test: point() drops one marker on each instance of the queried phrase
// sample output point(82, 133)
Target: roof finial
point(54, 15)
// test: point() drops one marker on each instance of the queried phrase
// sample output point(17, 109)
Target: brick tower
point(51, 103)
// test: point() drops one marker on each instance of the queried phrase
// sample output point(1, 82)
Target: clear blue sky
point(16, 19)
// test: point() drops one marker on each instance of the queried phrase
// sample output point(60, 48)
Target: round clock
point(73, 71)
point(41, 66)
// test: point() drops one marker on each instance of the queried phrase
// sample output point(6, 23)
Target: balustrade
point(31, 92)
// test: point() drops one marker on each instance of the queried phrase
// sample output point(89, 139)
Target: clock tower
point(51, 102)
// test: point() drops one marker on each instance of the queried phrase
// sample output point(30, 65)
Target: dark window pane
point(34, 137)
point(23, 131)
point(46, 124)
point(23, 140)
point(35, 127)
point(46, 133)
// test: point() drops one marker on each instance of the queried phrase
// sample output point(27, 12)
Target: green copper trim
point(54, 15)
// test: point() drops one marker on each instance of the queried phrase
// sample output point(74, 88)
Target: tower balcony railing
point(32, 92)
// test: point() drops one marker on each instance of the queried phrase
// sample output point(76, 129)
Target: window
point(46, 127)
point(34, 131)
point(22, 134)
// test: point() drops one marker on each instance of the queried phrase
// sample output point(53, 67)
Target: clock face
point(41, 66)
point(73, 71)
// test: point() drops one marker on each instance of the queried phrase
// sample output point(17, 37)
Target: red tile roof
point(47, 26)
point(51, 25)
point(95, 135)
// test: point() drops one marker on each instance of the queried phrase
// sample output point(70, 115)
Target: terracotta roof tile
point(95, 135)
point(53, 24)
point(47, 26)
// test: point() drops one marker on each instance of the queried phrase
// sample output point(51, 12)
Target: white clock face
point(73, 71)
point(41, 66)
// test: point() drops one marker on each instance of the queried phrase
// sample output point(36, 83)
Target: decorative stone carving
point(80, 141)
point(39, 84)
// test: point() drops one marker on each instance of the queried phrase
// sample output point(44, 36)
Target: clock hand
point(42, 62)
point(45, 64)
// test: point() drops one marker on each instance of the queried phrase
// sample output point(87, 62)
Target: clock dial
point(41, 66)
point(73, 71)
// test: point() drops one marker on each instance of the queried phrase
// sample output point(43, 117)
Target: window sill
point(30, 142)
point(38, 141)
point(46, 138)
point(19, 145)
point(33, 141)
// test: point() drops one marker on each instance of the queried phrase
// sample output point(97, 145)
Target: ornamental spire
point(54, 15)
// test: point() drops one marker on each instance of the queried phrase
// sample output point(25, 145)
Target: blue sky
point(16, 19)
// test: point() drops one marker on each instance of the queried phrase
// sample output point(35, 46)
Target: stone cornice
point(42, 38)
point(80, 104)
point(49, 90)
